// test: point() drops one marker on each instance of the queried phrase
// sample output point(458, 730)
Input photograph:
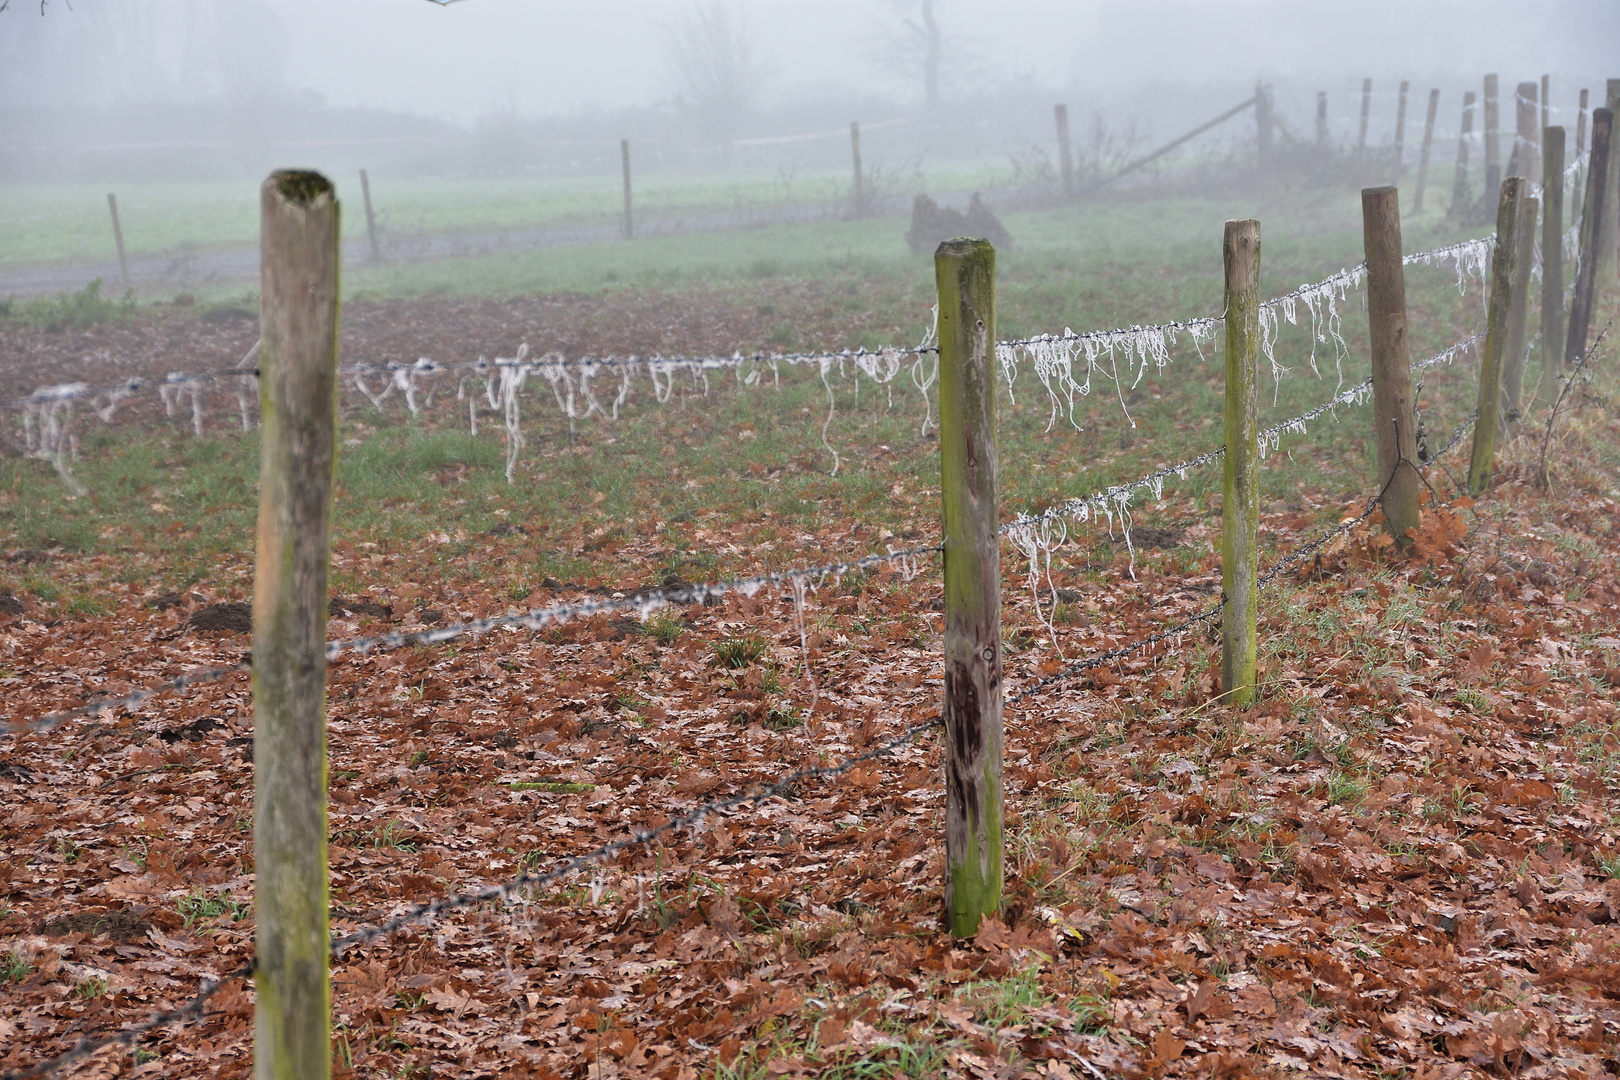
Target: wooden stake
point(859, 191)
point(1610, 218)
point(299, 260)
point(1264, 120)
point(1514, 342)
point(1459, 184)
point(1504, 267)
point(1527, 136)
point(629, 222)
point(371, 219)
point(1366, 111)
point(1428, 142)
point(1321, 120)
point(1578, 188)
point(1552, 261)
point(1546, 101)
point(1240, 484)
point(118, 237)
point(1400, 131)
point(965, 275)
point(1493, 141)
point(1060, 114)
point(1394, 407)
point(1586, 269)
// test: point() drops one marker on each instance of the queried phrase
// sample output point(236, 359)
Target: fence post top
point(301, 186)
point(962, 247)
point(1380, 190)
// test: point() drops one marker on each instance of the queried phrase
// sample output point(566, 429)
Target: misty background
point(205, 90)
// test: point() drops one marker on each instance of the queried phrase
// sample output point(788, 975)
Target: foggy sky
point(540, 57)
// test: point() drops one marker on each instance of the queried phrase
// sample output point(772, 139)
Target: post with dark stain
point(1504, 268)
point(1240, 487)
point(965, 275)
point(1394, 411)
point(297, 460)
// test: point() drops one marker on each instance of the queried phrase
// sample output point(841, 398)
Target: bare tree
point(713, 70)
point(918, 44)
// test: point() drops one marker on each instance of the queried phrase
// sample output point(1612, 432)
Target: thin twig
point(1563, 395)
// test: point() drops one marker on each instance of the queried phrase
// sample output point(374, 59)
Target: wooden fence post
point(1514, 344)
point(1366, 111)
point(118, 236)
point(299, 260)
point(1552, 261)
point(965, 275)
point(1263, 123)
point(1459, 184)
point(1526, 135)
point(1578, 188)
point(1060, 114)
point(1322, 139)
point(1503, 269)
point(624, 157)
point(1546, 103)
point(1400, 131)
point(1492, 126)
point(1607, 221)
point(1394, 408)
point(859, 191)
point(1428, 143)
point(1580, 301)
point(371, 219)
point(1240, 481)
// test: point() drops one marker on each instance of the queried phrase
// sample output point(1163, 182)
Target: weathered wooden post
point(1526, 135)
point(1492, 127)
point(1608, 233)
point(1060, 114)
point(1394, 407)
point(1515, 342)
point(1428, 142)
point(299, 260)
point(1321, 120)
point(1586, 267)
point(1400, 131)
point(1366, 111)
point(1546, 103)
point(118, 237)
point(1263, 122)
point(1552, 261)
point(371, 219)
point(624, 157)
point(858, 193)
point(1504, 266)
point(1240, 481)
point(1459, 184)
point(1578, 188)
point(965, 275)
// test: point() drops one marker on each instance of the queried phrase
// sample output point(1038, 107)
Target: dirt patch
point(192, 732)
point(1165, 538)
point(29, 557)
point(165, 601)
point(339, 607)
point(10, 606)
point(121, 924)
point(233, 618)
point(16, 772)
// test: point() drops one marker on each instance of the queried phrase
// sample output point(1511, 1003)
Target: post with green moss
point(1240, 483)
point(299, 259)
point(1516, 342)
point(1552, 261)
point(965, 275)
point(1504, 267)
point(1394, 410)
point(118, 238)
point(1581, 297)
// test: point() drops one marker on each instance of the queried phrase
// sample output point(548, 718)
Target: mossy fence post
point(371, 219)
point(1240, 481)
point(1459, 183)
point(299, 261)
point(1423, 157)
point(629, 225)
point(1504, 265)
point(1580, 300)
point(858, 192)
point(1394, 410)
point(118, 238)
point(1552, 261)
point(1060, 115)
point(1516, 342)
point(965, 276)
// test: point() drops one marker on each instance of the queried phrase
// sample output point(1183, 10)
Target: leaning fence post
point(1240, 483)
point(1394, 410)
point(1503, 268)
point(371, 219)
point(1492, 127)
point(118, 235)
point(1580, 300)
point(1607, 221)
point(1060, 114)
point(1459, 184)
point(1423, 158)
point(629, 222)
point(965, 275)
point(1577, 189)
point(1514, 344)
point(1552, 260)
point(1400, 131)
point(858, 193)
point(299, 260)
